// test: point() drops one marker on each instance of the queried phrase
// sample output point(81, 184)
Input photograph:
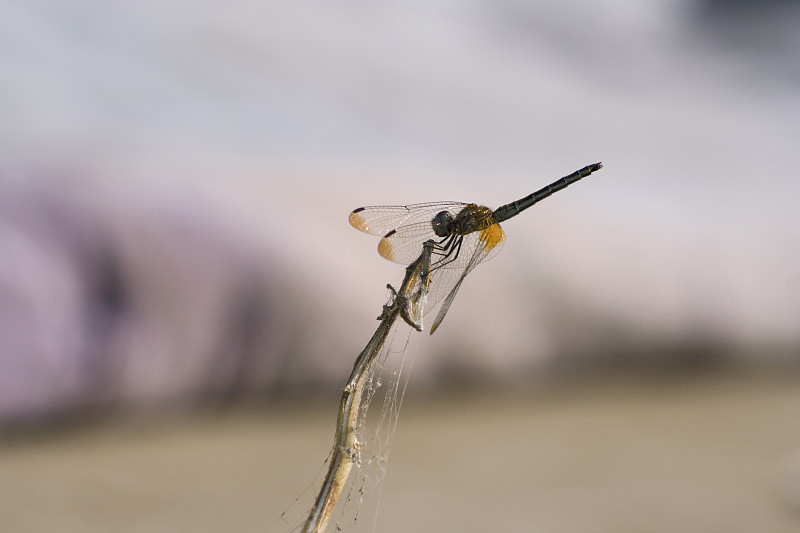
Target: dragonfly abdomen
point(514, 208)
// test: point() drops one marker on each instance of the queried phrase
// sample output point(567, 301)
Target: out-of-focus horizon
point(175, 183)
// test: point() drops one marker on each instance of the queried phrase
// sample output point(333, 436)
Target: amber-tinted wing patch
point(492, 236)
point(385, 248)
point(358, 221)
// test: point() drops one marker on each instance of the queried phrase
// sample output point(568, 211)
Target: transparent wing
point(404, 244)
point(381, 219)
point(446, 278)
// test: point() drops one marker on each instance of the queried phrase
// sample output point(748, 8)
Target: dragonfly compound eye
point(441, 223)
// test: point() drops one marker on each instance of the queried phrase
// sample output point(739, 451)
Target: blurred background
point(175, 181)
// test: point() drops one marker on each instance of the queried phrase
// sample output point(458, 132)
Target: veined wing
point(446, 278)
point(381, 219)
point(489, 241)
point(404, 244)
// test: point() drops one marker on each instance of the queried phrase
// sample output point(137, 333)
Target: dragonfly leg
point(453, 249)
point(444, 245)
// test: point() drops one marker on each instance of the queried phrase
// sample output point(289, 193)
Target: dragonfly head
point(442, 223)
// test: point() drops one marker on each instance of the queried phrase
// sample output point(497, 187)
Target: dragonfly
point(463, 235)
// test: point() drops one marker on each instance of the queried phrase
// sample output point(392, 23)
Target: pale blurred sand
point(689, 453)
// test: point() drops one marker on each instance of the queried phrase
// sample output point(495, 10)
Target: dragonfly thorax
point(442, 223)
point(472, 218)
